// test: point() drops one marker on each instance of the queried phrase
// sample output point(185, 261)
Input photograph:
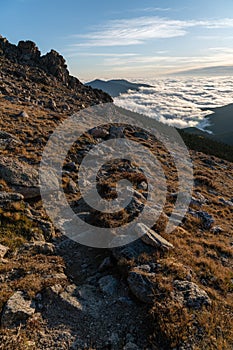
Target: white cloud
point(179, 102)
point(153, 9)
point(135, 31)
point(99, 54)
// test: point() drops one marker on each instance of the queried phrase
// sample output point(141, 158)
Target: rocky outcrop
point(27, 54)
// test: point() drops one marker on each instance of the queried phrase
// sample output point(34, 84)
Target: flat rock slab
point(152, 238)
point(17, 310)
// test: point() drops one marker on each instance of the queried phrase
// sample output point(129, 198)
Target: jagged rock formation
point(24, 62)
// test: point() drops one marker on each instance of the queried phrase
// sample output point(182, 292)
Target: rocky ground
point(164, 291)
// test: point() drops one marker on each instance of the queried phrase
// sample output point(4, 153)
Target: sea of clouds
point(179, 101)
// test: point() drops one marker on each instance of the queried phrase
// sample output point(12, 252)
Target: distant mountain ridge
point(115, 87)
point(206, 71)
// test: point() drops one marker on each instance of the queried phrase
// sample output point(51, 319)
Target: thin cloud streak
point(136, 31)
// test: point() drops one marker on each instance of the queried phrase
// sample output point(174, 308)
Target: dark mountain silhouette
point(221, 125)
point(115, 87)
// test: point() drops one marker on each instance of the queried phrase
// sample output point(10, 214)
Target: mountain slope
point(58, 294)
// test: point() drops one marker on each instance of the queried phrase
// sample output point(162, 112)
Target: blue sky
point(131, 39)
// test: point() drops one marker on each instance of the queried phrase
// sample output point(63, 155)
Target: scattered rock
point(206, 218)
point(216, 230)
point(106, 263)
point(39, 248)
point(72, 187)
point(17, 310)
point(23, 114)
point(131, 346)
point(109, 285)
point(191, 294)
point(152, 238)
point(141, 285)
point(226, 202)
point(3, 251)
point(22, 177)
point(8, 141)
point(8, 197)
point(99, 133)
point(117, 131)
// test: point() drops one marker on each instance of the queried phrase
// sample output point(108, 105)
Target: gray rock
point(117, 131)
point(23, 114)
point(207, 219)
point(191, 295)
point(8, 141)
point(99, 132)
point(40, 248)
point(106, 263)
point(131, 346)
point(17, 310)
point(22, 177)
point(141, 285)
point(3, 251)
point(109, 285)
point(226, 202)
point(72, 187)
point(152, 238)
point(216, 230)
point(143, 186)
point(9, 197)
point(68, 296)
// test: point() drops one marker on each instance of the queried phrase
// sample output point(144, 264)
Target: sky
point(125, 38)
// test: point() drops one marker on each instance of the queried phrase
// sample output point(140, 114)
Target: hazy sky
point(125, 38)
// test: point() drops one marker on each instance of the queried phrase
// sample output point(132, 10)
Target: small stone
point(3, 251)
point(216, 230)
point(143, 186)
point(117, 131)
point(99, 133)
point(141, 285)
point(106, 263)
point(109, 285)
point(23, 114)
point(39, 248)
point(131, 346)
point(72, 187)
